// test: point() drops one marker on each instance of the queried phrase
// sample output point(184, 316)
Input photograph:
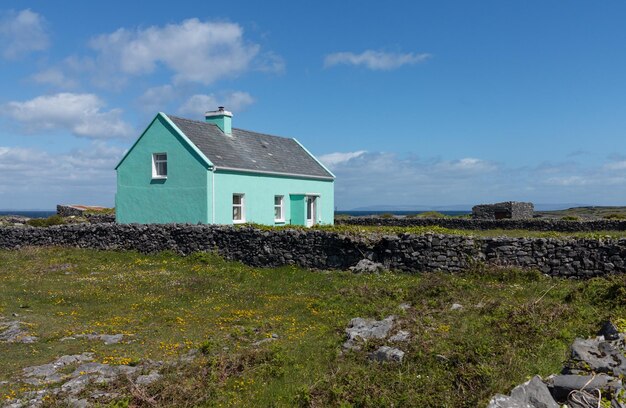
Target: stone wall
point(535, 224)
point(513, 210)
point(326, 250)
point(81, 211)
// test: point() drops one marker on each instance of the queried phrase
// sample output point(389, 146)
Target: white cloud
point(466, 165)
point(84, 176)
point(195, 51)
point(271, 62)
point(21, 33)
point(55, 77)
point(618, 165)
point(81, 114)
point(375, 60)
point(197, 105)
point(156, 99)
point(332, 160)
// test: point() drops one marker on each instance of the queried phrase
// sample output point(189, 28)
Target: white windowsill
point(159, 177)
point(279, 221)
point(239, 221)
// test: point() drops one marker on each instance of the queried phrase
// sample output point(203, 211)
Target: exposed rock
point(456, 306)
point(148, 379)
point(108, 339)
point(561, 385)
point(386, 353)
point(361, 329)
point(12, 332)
point(505, 401)
point(400, 336)
point(532, 394)
point(597, 355)
point(535, 393)
point(609, 331)
point(48, 373)
point(367, 266)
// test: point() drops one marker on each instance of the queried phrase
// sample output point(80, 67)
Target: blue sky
point(415, 103)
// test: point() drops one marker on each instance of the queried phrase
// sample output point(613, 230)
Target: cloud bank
point(81, 114)
point(379, 178)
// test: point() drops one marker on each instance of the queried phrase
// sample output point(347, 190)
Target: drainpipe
point(213, 195)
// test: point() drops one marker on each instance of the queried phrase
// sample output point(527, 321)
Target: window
point(159, 165)
point(279, 214)
point(239, 214)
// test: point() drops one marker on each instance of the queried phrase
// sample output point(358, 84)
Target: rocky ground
point(591, 377)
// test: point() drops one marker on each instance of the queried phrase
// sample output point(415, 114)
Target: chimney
point(222, 118)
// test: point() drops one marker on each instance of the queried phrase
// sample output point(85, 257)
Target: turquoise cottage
point(188, 171)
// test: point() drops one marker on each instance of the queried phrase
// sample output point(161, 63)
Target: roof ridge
point(239, 129)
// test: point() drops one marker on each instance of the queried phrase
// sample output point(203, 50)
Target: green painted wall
point(183, 197)
point(259, 191)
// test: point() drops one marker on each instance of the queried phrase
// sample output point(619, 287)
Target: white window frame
point(282, 209)
point(242, 206)
point(156, 161)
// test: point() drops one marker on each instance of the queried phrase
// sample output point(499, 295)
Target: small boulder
point(367, 266)
point(609, 331)
point(148, 379)
point(561, 386)
point(535, 393)
point(456, 306)
point(361, 329)
point(597, 356)
point(387, 354)
point(400, 336)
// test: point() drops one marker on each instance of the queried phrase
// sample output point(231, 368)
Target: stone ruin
point(511, 210)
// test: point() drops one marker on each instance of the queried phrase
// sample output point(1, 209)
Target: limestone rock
point(598, 356)
point(361, 329)
point(400, 336)
point(12, 332)
point(609, 331)
point(386, 354)
point(367, 266)
point(148, 379)
point(535, 393)
point(108, 339)
point(560, 386)
point(505, 401)
point(48, 373)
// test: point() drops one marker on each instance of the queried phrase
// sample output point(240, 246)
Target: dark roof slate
point(250, 150)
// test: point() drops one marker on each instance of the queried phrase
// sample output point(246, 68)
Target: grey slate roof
point(250, 150)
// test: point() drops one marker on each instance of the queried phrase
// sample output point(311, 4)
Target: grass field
point(513, 324)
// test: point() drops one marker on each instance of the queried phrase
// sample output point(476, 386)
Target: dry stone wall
point(576, 258)
point(476, 224)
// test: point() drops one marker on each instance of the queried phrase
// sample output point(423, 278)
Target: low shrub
point(615, 216)
point(46, 222)
point(570, 218)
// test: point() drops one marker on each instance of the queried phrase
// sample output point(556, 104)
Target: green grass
point(514, 324)
point(593, 212)
point(361, 231)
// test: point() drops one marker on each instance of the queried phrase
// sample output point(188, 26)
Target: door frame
point(314, 209)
